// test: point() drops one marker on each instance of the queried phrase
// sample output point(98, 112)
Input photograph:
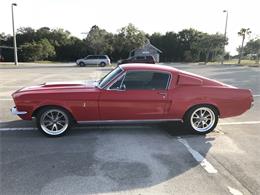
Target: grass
point(242, 63)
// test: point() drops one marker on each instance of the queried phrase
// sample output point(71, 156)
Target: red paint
point(88, 103)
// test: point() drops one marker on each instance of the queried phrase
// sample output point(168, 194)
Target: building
point(147, 49)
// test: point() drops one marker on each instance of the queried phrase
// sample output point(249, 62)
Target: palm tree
point(243, 32)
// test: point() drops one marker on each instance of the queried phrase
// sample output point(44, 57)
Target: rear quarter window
point(102, 57)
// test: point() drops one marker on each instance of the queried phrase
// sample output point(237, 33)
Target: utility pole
point(225, 36)
point(14, 36)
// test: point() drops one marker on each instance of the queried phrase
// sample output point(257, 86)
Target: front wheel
point(82, 64)
point(201, 119)
point(53, 121)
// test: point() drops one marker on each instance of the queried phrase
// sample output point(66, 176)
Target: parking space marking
point(198, 157)
point(5, 99)
point(12, 86)
point(18, 129)
point(241, 123)
point(258, 95)
point(234, 191)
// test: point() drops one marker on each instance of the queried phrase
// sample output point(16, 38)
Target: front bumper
point(14, 111)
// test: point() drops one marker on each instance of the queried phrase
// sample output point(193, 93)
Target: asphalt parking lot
point(128, 159)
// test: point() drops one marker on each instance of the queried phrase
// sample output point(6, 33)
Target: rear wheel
point(201, 119)
point(53, 121)
point(102, 64)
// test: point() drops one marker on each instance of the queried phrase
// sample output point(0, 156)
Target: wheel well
point(199, 105)
point(35, 112)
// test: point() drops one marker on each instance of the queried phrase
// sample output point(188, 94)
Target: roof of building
point(150, 45)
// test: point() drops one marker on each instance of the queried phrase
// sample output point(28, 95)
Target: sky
point(151, 16)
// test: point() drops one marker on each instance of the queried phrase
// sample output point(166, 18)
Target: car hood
point(59, 86)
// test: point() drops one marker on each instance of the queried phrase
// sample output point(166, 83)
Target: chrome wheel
point(202, 119)
point(54, 122)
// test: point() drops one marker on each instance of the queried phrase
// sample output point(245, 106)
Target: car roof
point(98, 55)
point(143, 66)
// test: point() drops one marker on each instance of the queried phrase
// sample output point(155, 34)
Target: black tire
point(102, 64)
point(64, 115)
point(195, 121)
point(82, 64)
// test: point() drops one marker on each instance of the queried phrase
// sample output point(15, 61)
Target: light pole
point(14, 36)
point(225, 35)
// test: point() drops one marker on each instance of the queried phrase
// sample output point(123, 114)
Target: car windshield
point(110, 76)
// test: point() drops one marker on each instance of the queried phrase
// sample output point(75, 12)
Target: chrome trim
point(113, 82)
point(14, 111)
point(252, 104)
point(129, 121)
point(112, 78)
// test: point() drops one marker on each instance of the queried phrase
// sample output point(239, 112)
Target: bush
point(40, 50)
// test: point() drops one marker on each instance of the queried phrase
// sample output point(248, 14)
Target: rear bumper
point(14, 111)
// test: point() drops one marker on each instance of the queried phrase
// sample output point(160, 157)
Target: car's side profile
point(101, 60)
point(132, 93)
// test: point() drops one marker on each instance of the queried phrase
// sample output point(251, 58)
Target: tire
point(201, 119)
point(82, 64)
point(53, 121)
point(102, 64)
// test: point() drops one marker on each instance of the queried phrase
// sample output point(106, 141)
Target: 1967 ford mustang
point(130, 93)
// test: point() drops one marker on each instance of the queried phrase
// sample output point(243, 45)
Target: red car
point(132, 93)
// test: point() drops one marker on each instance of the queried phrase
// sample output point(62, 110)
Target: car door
point(88, 60)
point(91, 60)
point(137, 95)
point(96, 60)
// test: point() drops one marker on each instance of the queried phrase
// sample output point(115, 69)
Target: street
point(129, 159)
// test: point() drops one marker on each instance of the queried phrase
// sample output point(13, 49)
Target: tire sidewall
point(102, 64)
point(82, 64)
point(42, 111)
point(188, 115)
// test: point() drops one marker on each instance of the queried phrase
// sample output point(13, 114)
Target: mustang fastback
point(132, 93)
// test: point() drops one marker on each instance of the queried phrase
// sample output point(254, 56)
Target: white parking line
point(234, 191)
point(12, 86)
point(6, 99)
point(240, 123)
point(18, 129)
point(258, 95)
point(198, 157)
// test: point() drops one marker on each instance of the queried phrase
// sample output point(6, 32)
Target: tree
point(253, 48)
point(243, 32)
point(129, 38)
point(34, 51)
point(210, 45)
point(186, 39)
point(99, 40)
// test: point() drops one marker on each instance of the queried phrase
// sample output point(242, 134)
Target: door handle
point(162, 93)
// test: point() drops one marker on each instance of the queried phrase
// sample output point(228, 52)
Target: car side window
point(140, 57)
point(146, 80)
point(91, 57)
point(102, 57)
